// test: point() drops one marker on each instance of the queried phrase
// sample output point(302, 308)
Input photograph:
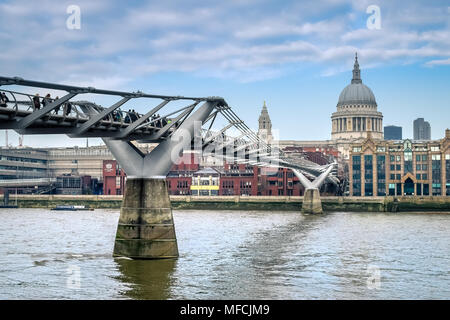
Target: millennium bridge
point(207, 125)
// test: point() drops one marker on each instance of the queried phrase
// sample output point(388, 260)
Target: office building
point(392, 133)
point(422, 129)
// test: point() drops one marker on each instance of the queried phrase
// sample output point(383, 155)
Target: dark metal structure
point(31, 114)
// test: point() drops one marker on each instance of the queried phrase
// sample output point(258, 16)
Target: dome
point(356, 93)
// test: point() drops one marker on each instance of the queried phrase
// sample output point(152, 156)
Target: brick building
point(278, 182)
point(114, 178)
point(398, 168)
point(239, 179)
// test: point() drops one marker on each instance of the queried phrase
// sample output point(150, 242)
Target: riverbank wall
point(269, 203)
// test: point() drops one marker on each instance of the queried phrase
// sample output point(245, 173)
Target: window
point(398, 167)
point(392, 158)
point(356, 149)
point(381, 149)
point(436, 174)
point(398, 158)
point(368, 169)
point(418, 158)
point(392, 167)
point(434, 148)
point(436, 157)
point(391, 189)
point(418, 176)
point(356, 166)
point(424, 176)
point(381, 175)
point(424, 157)
point(398, 176)
point(418, 167)
point(447, 174)
point(392, 176)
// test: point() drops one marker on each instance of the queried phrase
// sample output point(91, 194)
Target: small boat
point(72, 208)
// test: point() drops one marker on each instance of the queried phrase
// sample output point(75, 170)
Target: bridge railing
point(23, 113)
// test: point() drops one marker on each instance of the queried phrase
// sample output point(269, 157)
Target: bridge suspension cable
point(33, 114)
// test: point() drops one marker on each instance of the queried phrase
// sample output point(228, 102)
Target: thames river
point(229, 255)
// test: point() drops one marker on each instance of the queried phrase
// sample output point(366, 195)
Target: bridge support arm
point(146, 229)
point(311, 199)
point(158, 162)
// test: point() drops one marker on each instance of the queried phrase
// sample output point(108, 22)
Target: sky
point(295, 55)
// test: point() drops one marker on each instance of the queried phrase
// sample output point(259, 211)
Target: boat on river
point(72, 208)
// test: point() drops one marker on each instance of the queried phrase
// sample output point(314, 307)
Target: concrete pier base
point(146, 229)
point(311, 201)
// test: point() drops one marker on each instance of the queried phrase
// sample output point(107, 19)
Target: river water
point(229, 255)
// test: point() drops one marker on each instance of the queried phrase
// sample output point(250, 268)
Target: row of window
point(383, 149)
point(18, 169)
point(20, 159)
point(396, 189)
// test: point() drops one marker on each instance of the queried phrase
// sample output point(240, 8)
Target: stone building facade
point(400, 168)
point(356, 114)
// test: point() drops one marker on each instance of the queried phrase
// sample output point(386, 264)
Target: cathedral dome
point(356, 93)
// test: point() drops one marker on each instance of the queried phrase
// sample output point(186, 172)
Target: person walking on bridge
point(58, 107)
point(36, 102)
point(47, 100)
point(3, 100)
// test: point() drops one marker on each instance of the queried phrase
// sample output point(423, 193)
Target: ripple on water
point(228, 255)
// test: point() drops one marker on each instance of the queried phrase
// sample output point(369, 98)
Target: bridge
point(199, 124)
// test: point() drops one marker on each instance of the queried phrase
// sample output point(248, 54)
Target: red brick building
point(179, 179)
point(239, 179)
point(278, 182)
point(114, 178)
point(235, 179)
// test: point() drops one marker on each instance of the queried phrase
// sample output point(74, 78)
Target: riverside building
point(400, 168)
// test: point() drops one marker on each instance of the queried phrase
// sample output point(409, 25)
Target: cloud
point(270, 28)
point(243, 41)
point(442, 62)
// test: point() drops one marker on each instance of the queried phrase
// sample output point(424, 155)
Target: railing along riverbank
point(270, 203)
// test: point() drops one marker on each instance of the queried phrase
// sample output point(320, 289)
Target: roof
point(207, 171)
point(356, 92)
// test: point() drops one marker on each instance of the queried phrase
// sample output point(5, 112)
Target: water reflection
point(229, 255)
point(147, 279)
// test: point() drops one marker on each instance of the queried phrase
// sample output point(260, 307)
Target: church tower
point(265, 125)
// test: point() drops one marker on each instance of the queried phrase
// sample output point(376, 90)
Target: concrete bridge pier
point(146, 229)
point(311, 201)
